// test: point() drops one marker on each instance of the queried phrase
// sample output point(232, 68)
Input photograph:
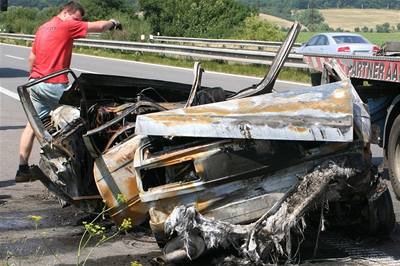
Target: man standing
point(51, 52)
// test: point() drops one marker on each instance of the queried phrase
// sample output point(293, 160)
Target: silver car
point(338, 43)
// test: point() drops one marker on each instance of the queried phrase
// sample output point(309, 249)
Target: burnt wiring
point(321, 226)
point(141, 94)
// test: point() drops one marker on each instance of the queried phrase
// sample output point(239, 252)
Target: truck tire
point(382, 219)
point(394, 156)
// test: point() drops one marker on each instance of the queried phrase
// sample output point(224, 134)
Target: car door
point(322, 44)
point(313, 46)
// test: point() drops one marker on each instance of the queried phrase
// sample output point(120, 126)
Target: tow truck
point(377, 81)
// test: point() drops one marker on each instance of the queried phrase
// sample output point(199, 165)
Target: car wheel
point(394, 156)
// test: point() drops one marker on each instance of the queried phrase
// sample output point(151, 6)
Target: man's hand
point(116, 24)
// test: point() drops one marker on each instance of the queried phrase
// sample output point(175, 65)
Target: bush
point(194, 18)
point(364, 29)
point(133, 28)
point(357, 29)
point(319, 27)
point(25, 20)
point(255, 29)
point(385, 27)
point(310, 18)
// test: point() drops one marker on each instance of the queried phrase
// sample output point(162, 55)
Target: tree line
point(283, 8)
point(186, 18)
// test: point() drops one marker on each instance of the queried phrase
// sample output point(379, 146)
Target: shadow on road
point(144, 259)
point(3, 197)
point(12, 127)
point(7, 183)
point(6, 72)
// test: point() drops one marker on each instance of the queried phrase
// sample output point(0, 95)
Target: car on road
point(338, 43)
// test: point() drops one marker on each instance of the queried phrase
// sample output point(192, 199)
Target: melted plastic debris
point(268, 238)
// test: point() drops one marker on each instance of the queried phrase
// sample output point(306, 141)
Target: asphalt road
point(14, 71)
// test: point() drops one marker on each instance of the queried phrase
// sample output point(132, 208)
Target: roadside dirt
point(56, 239)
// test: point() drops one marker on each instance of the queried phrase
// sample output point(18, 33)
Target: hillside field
point(349, 18)
point(275, 20)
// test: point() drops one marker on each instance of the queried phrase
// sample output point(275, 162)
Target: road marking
point(9, 93)
point(84, 71)
point(182, 68)
point(15, 57)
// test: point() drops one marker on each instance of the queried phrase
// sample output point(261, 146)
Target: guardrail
point(222, 42)
point(237, 55)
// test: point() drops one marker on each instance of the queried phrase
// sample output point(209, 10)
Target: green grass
point(374, 37)
point(290, 74)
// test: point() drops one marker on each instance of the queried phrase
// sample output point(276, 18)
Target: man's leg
point(25, 148)
point(45, 97)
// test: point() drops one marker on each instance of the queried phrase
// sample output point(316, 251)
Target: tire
point(393, 149)
point(382, 219)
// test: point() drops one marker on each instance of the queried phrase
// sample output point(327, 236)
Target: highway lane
point(14, 71)
point(14, 59)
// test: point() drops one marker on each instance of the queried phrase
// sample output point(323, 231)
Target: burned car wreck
point(211, 168)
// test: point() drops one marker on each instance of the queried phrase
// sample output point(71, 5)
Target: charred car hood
point(323, 113)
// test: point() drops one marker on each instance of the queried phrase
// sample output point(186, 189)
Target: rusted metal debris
point(209, 167)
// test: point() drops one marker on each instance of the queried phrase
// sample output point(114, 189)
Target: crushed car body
point(211, 168)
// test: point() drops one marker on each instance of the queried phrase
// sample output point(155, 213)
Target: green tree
point(101, 9)
point(25, 20)
point(255, 29)
point(194, 18)
point(364, 29)
point(385, 27)
point(312, 19)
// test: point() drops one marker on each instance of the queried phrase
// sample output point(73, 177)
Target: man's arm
point(101, 25)
point(31, 60)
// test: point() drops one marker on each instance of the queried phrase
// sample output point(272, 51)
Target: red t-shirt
point(53, 47)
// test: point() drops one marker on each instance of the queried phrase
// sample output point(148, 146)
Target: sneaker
point(24, 175)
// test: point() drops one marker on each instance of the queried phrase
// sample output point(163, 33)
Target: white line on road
point(9, 93)
point(84, 71)
point(15, 57)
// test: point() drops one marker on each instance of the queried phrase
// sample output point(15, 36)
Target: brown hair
point(72, 6)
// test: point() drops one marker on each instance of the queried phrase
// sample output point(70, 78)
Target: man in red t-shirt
point(52, 51)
